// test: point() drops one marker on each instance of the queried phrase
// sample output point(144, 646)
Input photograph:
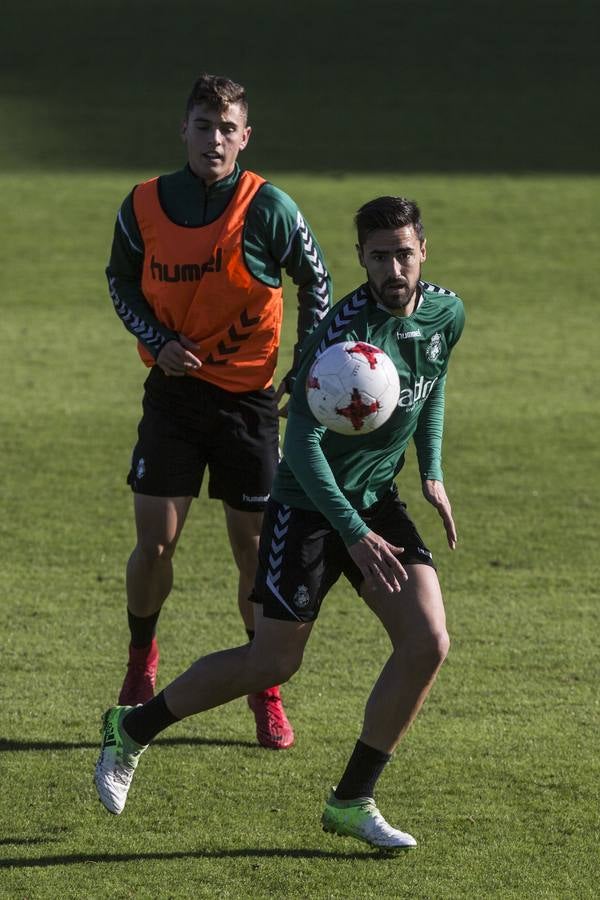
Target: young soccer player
point(195, 275)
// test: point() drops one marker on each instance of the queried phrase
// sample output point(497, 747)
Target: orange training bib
point(197, 283)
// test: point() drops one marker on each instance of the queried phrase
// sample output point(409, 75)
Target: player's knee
point(246, 561)
point(284, 666)
point(245, 554)
point(289, 665)
point(151, 550)
point(442, 646)
point(428, 651)
point(275, 666)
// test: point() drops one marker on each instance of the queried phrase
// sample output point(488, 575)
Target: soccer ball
point(352, 388)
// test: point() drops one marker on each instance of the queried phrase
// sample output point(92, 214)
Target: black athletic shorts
point(189, 424)
point(301, 556)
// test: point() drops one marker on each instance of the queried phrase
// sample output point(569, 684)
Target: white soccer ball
point(352, 388)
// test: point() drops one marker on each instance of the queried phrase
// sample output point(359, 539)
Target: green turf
point(498, 780)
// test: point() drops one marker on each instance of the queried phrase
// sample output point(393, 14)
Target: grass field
point(498, 780)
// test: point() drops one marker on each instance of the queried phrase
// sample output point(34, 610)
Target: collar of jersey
point(219, 187)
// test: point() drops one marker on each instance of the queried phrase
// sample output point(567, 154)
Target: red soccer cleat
point(273, 729)
point(140, 679)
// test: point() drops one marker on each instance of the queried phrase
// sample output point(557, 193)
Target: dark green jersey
point(276, 237)
point(339, 474)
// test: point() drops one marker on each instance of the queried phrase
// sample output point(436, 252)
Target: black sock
point(142, 629)
point(364, 768)
point(250, 633)
point(143, 723)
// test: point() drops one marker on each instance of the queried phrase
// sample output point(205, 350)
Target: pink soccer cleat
point(142, 668)
point(273, 729)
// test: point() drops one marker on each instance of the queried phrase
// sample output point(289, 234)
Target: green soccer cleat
point(119, 756)
point(361, 819)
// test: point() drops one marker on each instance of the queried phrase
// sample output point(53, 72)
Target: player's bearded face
point(213, 139)
point(393, 258)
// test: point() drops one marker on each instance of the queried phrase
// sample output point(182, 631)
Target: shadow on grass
point(9, 746)
point(76, 859)
point(500, 86)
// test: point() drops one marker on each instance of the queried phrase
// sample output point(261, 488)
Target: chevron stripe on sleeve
point(342, 319)
point(436, 289)
point(144, 332)
point(311, 251)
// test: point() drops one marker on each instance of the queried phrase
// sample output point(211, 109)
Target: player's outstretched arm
point(435, 493)
point(378, 561)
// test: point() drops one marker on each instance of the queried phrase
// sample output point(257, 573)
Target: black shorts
point(189, 424)
point(301, 556)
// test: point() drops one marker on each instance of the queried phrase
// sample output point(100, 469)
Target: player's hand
point(378, 562)
point(178, 357)
point(279, 393)
point(435, 493)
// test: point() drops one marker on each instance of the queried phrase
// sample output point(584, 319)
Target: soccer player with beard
point(335, 510)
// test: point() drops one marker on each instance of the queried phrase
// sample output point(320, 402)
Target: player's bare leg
point(415, 621)
point(274, 654)
point(159, 521)
point(273, 729)
point(243, 528)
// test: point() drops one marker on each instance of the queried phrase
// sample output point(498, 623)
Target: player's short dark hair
point(217, 92)
point(388, 212)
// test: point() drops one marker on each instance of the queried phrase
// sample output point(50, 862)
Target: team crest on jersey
point(301, 597)
point(434, 347)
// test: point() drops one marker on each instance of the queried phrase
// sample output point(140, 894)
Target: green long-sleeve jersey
point(339, 475)
point(276, 237)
